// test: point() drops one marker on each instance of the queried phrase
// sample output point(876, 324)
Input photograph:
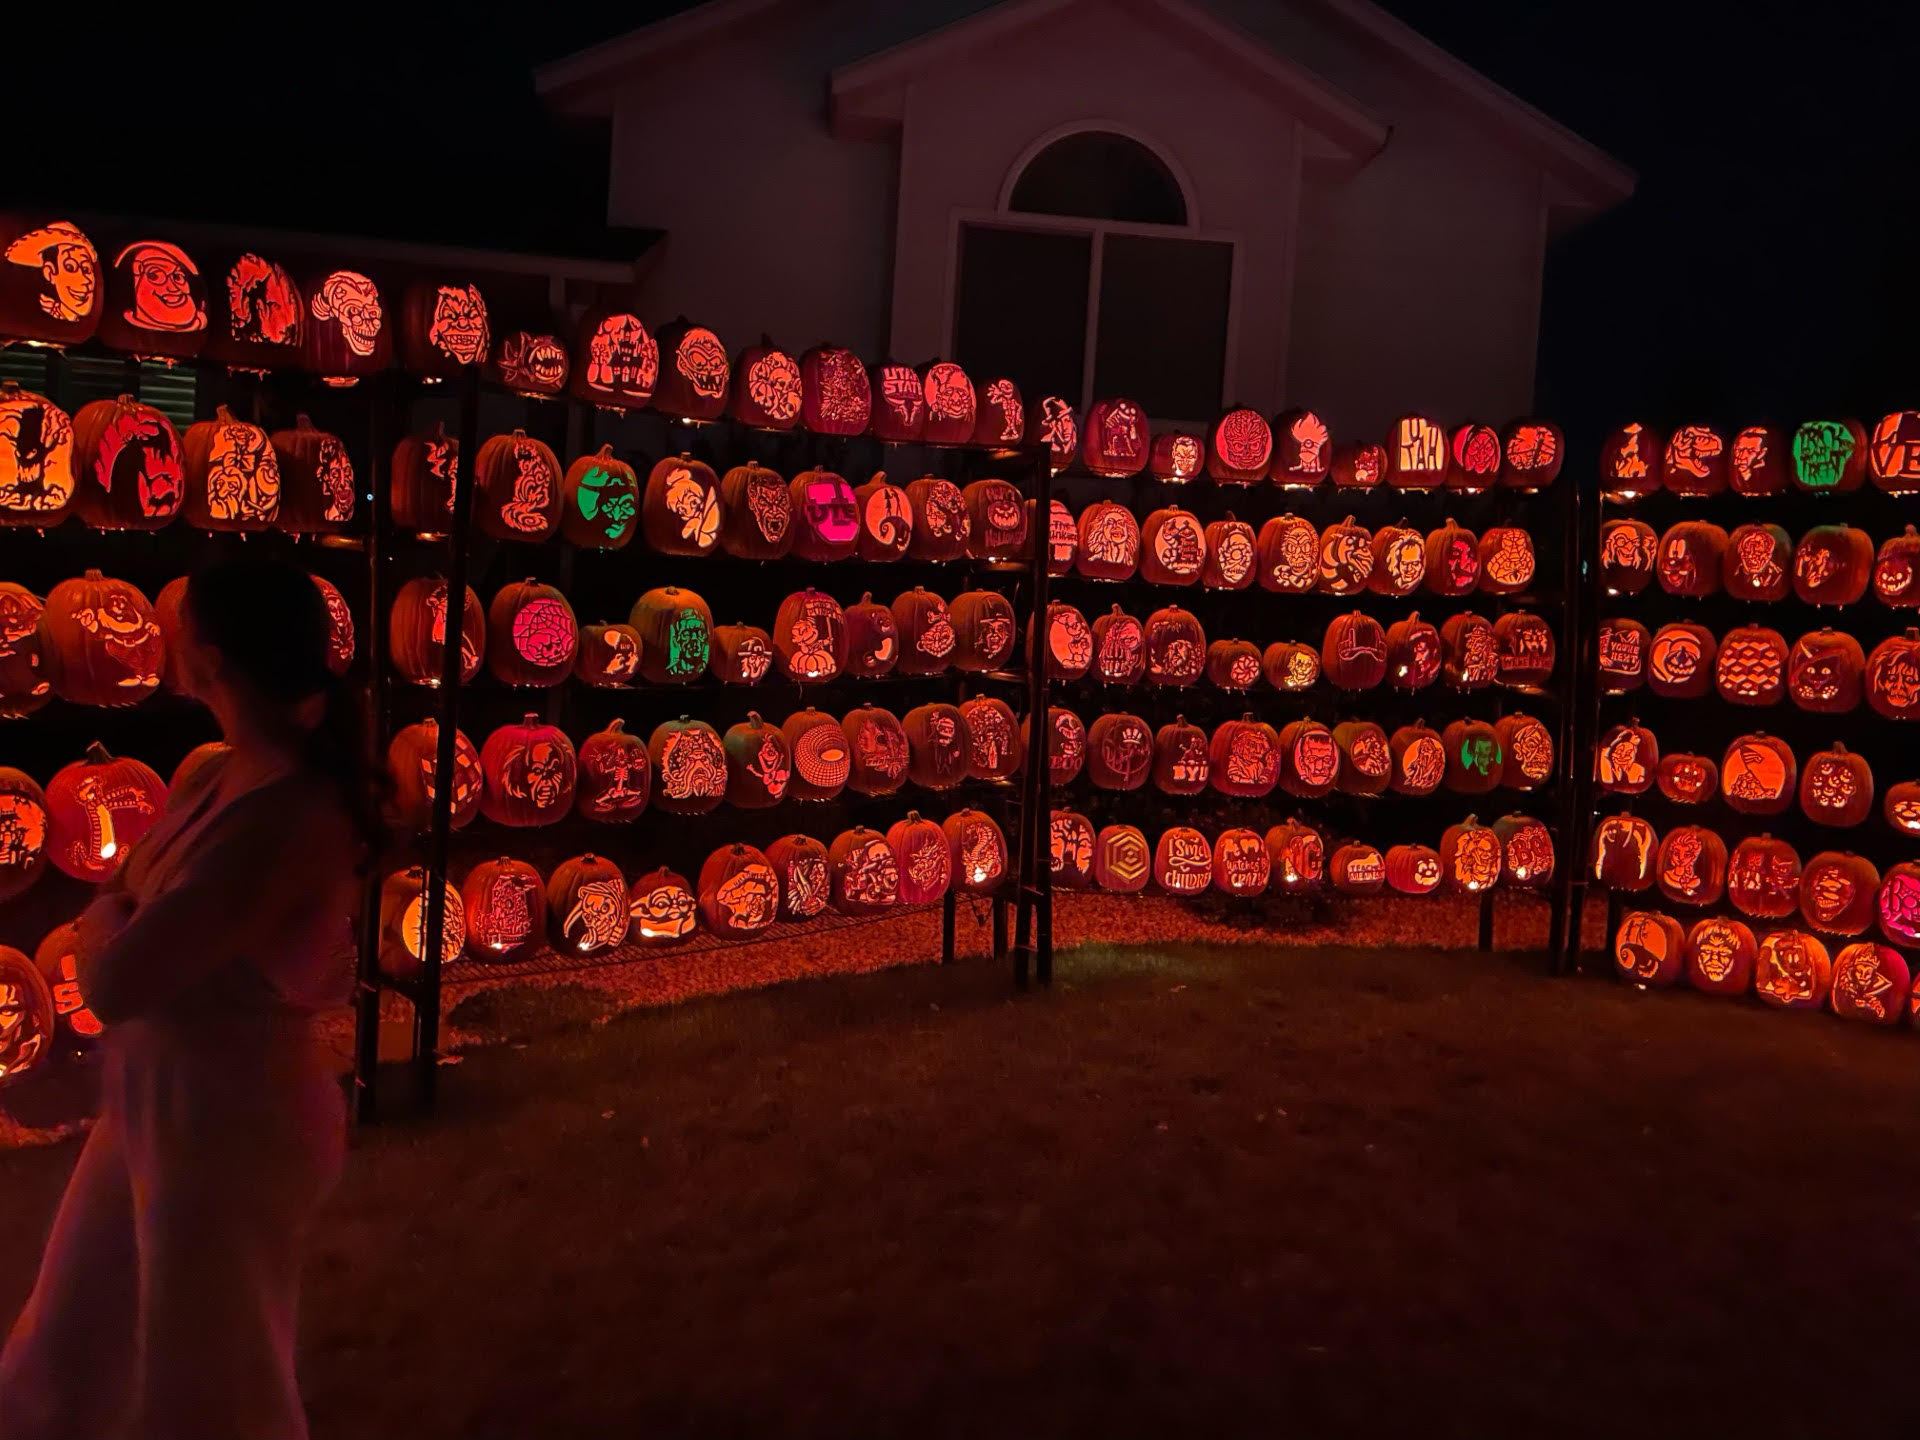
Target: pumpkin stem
point(605, 452)
point(98, 754)
point(753, 717)
point(616, 726)
point(531, 719)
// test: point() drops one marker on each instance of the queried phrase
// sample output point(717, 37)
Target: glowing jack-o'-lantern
point(1836, 787)
point(1308, 759)
point(1526, 851)
point(1696, 461)
point(530, 771)
point(1871, 983)
point(1066, 744)
point(1453, 560)
point(1001, 417)
point(1359, 467)
point(1183, 861)
point(877, 750)
point(417, 632)
point(1108, 542)
point(531, 635)
point(1357, 869)
point(1354, 654)
point(1069, 642)
point(532, 364)
point(1757, 775)
point(1299, 856)
point(233, 475)
point(36, 458)
point(1115, 441)
point(1470, 651)
point(1680, 662)
point(1119, 751)
point(1231, 547)
point(1763, 878)
point(1632, 463)
point(1122, 859)
point(97, 808)
point(810, 637)
point(505, 903)
point(616, 362)
point(1624, 847)
point(1419, 760)
point(516, 488)
point(413, 757)
point(835, 395)
point(766, 387)
point(1838, 892)
point(23, 832)
point(1898, 904)
point(1757, 563)
point(1830, 456)
point(1687, 779)
point(1413, 653)
point(1057, 429)
point(1751, 666)
point(1622, 651)
point(1690, 558)
point(1290, 665)
point(1245, 757)
point(939, 749)
point(694, 373)
point(1832, 565)
point(1287, 555)
point(1470, 857)
point(424, 470)
point(1892, 676)
point(997, 520)
point(1895, 570)
point(1233, 664)
point(317, 491)
point(1176, 647)
point(1070, 846)
point(608, 657)
point(1525, 647)
point(976, 852)
point(886, 520)
point(1628, 549)
point(1528, 747)
point(156, 307)
point(1399, 560)
point(615, 775)
point(756, 513)
point(1366, 759)
point(1177, 457)
point(1302, 450)
point(676, 635)
point(443, 329)
point(1473, 459)
point(689, 766)
point(800, 864)
point(130, 473)
point(1533, 454)
point(1627, 759)
point(49, 281)
point(1757, 461)
point(1649, 948)
point(600, 501)
point(1180, 759)
point(1792, 970)
point(1241, 865)
point(680, 511)
point(99, 641)
point(1417, 453)
point(822, 759)
point(873, 638)
point(1893, 454)
point(994, 748)
point(900, 408)
point(1119, 648)
point(661, 908)
point(404, 941)
point(1346, 558)
point(926, 862)
point(925, 626)
point(1826, 672)
point(1239, 447)
point(588, 906)
point(1413, 869)
point(1691, 865)
point(347, 335)
point(1902, 807)
point(983, 630)
point(1475, 761)
point(1720, 956)
point(57, 958)
point(1173, 547)
point(951, 403)
point(738, 892)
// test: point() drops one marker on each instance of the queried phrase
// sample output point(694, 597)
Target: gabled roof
point(581, 83)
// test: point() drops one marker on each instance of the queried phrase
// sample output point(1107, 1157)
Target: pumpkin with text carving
point(531, 635)
point(530, 772)
point(1183, 861)
point(1366, 759)
point(939, 749)
point(1870, 983)
point(417, 632)
point(873, 639)
point(1750, 667)
point(1763, 878)
point(1357, 868)
point(810, 637)
point(233, 475)
point(1290, 666)
point(1298, 855)
point(423, 472)
point(1832, 565)
point(1419, 759)
point(1109, 542)
point(822, 759)
point(413, 757)
point(1792, 970)
point(1453, 560)
point(99, 641)
point(661, 908)
point(614, 775)
point(1632, 463)
point(1413, 653)
point(1895, 570)
point(1691, 865)
point(1757, 563)
point(689, 766)
point(997, 520)
point(1526, 847)
point(765, 389)
point(1690, 559)
point(1622, 652)
point(1417, 453)
point(994, 747)
point(1473, 459)
point(1836, 787)
point(1757, 774)
point(1628, 757)
point(1346, 558)
point(1122, 859)
point(1624, 847)
point(676, 635)
point(1230, 555)
point(1527, 745)
point(1353, 656)
point(1180, 758)
point(1471, 857)
point(925, 859)
point(1244, 757)
point(1893, 452)
point(129, 471)
point(505, 903)
point(1287, 555)
point(1687, 779)
point(1649, 948)
point(1680, 661)
point(1898, 904)
point(877, 750)
point(1720, 955)
point(1241, 865)
point(1240, 447)
point(1469, 651)
point(57, 959)
point(588, 906)
point(1070, 845)
point(1066, 744)
point(886, 520)
point(1524, 649)
point(1628, 549)
point(600, 502)
point(1506, 560)
point(1413, 869)
point(756, 513)
point(1696, 461)
point(1119, 751)
point(1892, 675)
point(1838, 893)
point(1829, 456)
point(899, 403)
point(1308, 759)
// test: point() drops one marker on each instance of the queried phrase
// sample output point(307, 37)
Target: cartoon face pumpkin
point(702, 360)
point(353, 302)
point(459, 326)
point(69, 269)
point(164, 285)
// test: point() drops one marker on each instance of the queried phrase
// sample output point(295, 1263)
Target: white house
point(1191, 202)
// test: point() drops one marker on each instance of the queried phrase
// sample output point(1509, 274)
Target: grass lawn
point(1191, 1191)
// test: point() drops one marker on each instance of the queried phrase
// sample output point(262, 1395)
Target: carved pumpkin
point(412, 763)
point(156, 303)
point(1068, 650)
point(1469, 652)
point(1506, 560)
point(925, 626)
point(694, 372)
point(1066, 744)
point(588, 906)
point(24, 686)
point(675, 628)
point(23, 832)
point(614, 775)
point(1756, 563)
point(1696, 461)
point(1413, 869)
point(417, 632)
point(1680, 662)
point(835, 395)
point(1180, 758)
point(1526, 851)
point(192, 763)
point(1649, 948)
point(1233, 664)
point(317, 490)
point(616, 362)
point(1628, 757)
point(1070, 845)
point(1119, 751)
point(1244, 757)
point(1757, 461)
point(1832, 565)
point(1687, 779)
point(1533, 454)
point(1419, 760)
point(1757, 775)
point(926, 861)
point(97, 807)
point(997, 517)
point(1241, 865)
point(1902, 807)
point(1524, 650)
point(1299, 856)
point(1473, 459)
point(1898, 904)
point(976, 852)
point(872, 639)
point(983, 630)
point(1691, 865)
point(1176, 457)
point(403, 923)
point(1895, 569)
point(800, 864)
point(1176, 647)
point(689, 766)
point(1230, 555)
point(531, 635)
point(1624, 847)
point(1183, 861)
point(994, 747)
point(765, 393)
point(1346, 558)
point(1240, 448)
point(1359, 467)
point(129, 471)
point(738, 891)
point(57, 959)
point(1893, 454)
point(1751, 666)
point(505, 904)
point(233, 476)
point(1453, 560)
point(1115, 439)
point(1109, 542)
point(1792, 970)
point(1628, 550)
point(1836, 787)
point(756, 513)
point(939, 749)
point(1763, 878)
point(1838, 892)
point(1830, 456)
point(1357, 869)
point(1353, 655)
point(1057, 429)
point(1413, 653)
point(1001, 417)
point(1122, 859)
point(1063, 536)
point(1632, 463)
point(1287, 555)
point(877, 750)
point(1290, 666)
point(822, 758)
point(1399, 560)
point(1871, 983)
point(737, 654)
point(1690, 559)
point(1893, 674)
point(600, 502)
point(50, 283)
point(530, 771)
point(1826, 672)
point(99, 642)
point(347, 334)
point(661, 908)
point(1308, 759)
point(1622, 647)
point(1417, 453)
point(886, 520)
point(531, 364)
point(443, 329)
point(1475, 761)
point(900, 403)
point(420, 488)
point(680, 511)
point(1528, 747)
point(1720, 956)
point(1302, 450)
point(1366, 759)
point(1470, 857)
point(810, 637)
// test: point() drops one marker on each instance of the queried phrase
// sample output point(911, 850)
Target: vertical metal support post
point(949, 915)
point(1033, 920)
point(1000, 908)
point(1580, 724)
point(366, 1062)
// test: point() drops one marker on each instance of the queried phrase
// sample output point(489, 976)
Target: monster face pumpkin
point(530, 364)
point(457, 325)
point(530, 771)
point(36, 458)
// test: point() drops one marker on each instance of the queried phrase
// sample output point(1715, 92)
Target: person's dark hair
point(268, 620)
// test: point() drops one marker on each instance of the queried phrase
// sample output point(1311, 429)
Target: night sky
point(1761, 271)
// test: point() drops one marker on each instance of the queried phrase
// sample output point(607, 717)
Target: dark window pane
point(1020, 308)
point(1101, 176)
point(1163, 324)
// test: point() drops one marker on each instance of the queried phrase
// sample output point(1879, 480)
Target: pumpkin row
point(1824, 671)
point(1789, 968)
point(1472, 858)
point(98, 641)
point(1831, 564)
point(1822, 457)
point(1835, 892)
point(587, 907)
point(1835, 786)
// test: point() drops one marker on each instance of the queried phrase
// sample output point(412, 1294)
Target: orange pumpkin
point(1691, 865)
point(1299, 856)
point(1792, 970)
point(983, 631)
point(1696, 461)
point(532, 636)
point(873, 639)
point(941, 525)
point(676, 629)
point(1526, 851)
point(1763, 878)
point(1453, 560)
point(661, 908)
point(765, 389)
point(810, 637)
point(1109, 542)
point(57, 958)
point(1720, 956)
point(921, 851)
point(1399, 560)
point(1346, 558)
point(1469, 651)
point(689, 766)
point(1871, 983)
point(1001, 417)
point(1366, 759)
point(412, 763)
point(1357, 869)
point(1068, 651)
point(1836, 787)
point(800, 864)
point(1757, 461)
point(1832, 565)
point(443, 328)
point(1063, 535)
point(1892, 678)
point(1066, 744)
point(1122, 859)
point(1119, 751)
point(976, 852)
point(1628, 757)
point(600, 502)
point(822, 759)
point(1632, 463)
point(1241, 865)
point(1902, 807)
point(403, 924)
point(997, 520)
point(1750, 667)
point(1622, 647)
point(1359, 467)
point(1473, 459)
point(505, 904)
point(736, 654)
point(1419, 760)
point(532, 364)
point(1182, 861)
point(877, 750)
point(1176, 647)
point(1176, 457)
point(1413, 869)
point(1417, 453)
point(939, 749)
point(1691, 557)
point(1680, 661)
point(1302, 450)
point(1893, 453)
point(1180, 758)
point(1757, 563)
point(1838, 893)
point(1524, 649)
point(516, 489)
point(1233, 664)
point(129, 472)
point(1533, 454)
point(1826, 672)
point(1829, 456)
point(529, 772)
point(50, 281)
point(587, 906)
point(836, 398)
point(1245, 757)
point(1649, 948)
point(1289, 665)
point(417, 632)
point(156, 302)
point(1354, 654)
point(420, 484)
point(1308, 760)
point(1895, 569)
point(1070, 842)
point(738, 891)
point(1470, 857)
point(1414, 653)
point(1687, 779)
point(694, 373)
point(99, 642)
point(886, 520)
point(23, 832)
point(1287, 555)
point(1173, 547)
point(1624, 847)
point(233, 476)
point(756, 513)
point(1239, 447)
point(1230, 555)
point(1898, 904)
point(925, 626)
point(1757, 775)
point(1506, 560)
point(994, 747)
point(1528, 747)
point(609, 656)
point(1115, 440)
point(614, 775)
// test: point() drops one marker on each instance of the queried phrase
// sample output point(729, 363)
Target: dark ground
point(1211, 1192)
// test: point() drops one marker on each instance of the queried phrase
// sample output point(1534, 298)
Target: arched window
point(1099, 175)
